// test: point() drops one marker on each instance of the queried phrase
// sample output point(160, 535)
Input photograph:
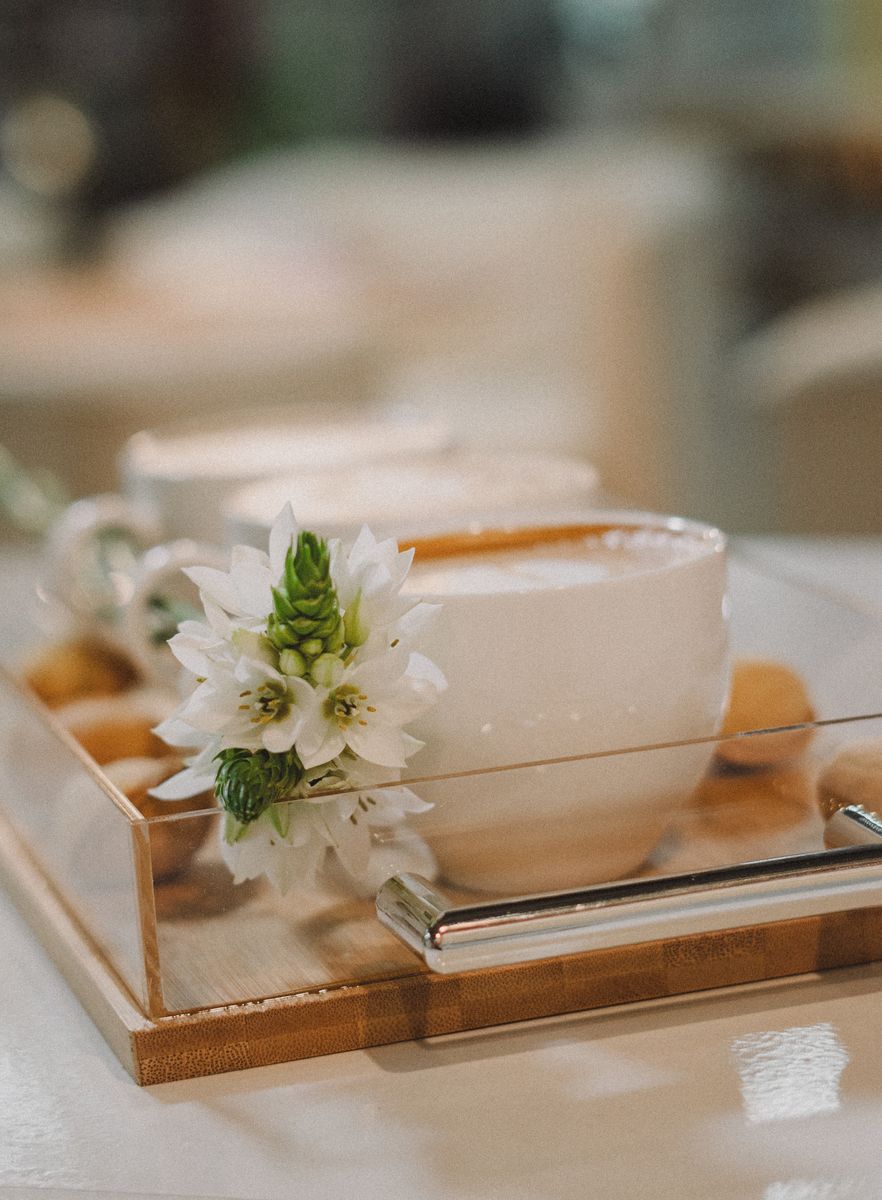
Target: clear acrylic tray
point(196, 974)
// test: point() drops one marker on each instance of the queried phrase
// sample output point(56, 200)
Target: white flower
point(196, 644)
point(341, 713)
point(370, 808)
point(403, 632)
point(366, 802)
point(368, 578)
point(288, 841)
point(287, 845)
point(363, 707)
point(245, 592)
point(250, 705)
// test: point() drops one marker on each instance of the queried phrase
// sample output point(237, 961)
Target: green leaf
point(280, 815)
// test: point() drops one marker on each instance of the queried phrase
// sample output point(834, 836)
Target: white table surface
point(771, 1091)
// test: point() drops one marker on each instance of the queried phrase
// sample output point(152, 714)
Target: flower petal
point(414, 622)
point(216, 585)
point(305, 695)
point(197, 629)
point(253, 588)
point(423, 670)
point(216, 617)
point(385, 745)
point(391, 804)
point(380, 671)
point(318, 745)
point(255, 671)
point(279, 736)
point(282, 534)
point(362, 550)
point(255, 647)
point(186, 783)
point(175, 732)
point(247, 558)
point(191, 652)
point(411, 744)
point(351, 840)
point(205, 710)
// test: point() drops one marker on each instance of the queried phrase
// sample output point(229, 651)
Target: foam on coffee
point(563, 562)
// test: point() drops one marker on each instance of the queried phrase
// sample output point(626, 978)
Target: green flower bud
point(248, 782)
point(306, 614)
point(336, 640)
point(327, 669)
point(292, 662)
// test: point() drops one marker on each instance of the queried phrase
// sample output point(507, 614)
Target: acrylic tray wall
point(198, 975)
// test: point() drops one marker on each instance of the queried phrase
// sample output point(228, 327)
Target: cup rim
point(247, 512)
point(521, 535)
point(140, 456)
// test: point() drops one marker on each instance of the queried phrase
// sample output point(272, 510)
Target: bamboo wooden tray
point(415, 1005)
point(196, 976)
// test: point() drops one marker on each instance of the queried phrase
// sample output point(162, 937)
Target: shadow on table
point(695, 1007)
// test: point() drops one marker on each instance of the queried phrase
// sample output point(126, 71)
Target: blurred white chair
point(810, 392)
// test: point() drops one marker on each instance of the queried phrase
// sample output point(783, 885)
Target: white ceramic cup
point(422, 495)
point(634, 659)
point(182, 474)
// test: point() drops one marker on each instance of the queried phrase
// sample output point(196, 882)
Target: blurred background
point(647, 233)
